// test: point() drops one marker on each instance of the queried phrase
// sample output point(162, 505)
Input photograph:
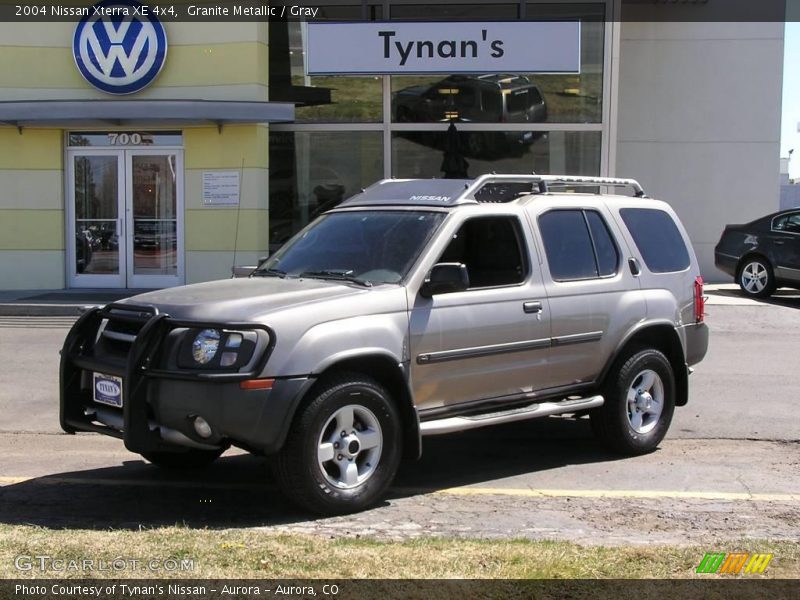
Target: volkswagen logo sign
point(119, 49)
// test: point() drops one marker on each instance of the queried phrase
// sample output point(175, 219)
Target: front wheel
point(344, 447)
point(756, 278)
point(639, 403)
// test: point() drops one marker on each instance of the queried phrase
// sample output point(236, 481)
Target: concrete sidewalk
point(57, 303)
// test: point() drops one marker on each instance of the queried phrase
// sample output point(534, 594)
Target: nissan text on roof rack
point(415, 308)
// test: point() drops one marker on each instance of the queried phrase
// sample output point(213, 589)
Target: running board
point(543, 409)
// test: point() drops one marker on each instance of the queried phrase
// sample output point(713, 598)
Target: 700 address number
point(124, 139)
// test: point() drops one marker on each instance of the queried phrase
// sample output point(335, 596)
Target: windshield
point(375, 246)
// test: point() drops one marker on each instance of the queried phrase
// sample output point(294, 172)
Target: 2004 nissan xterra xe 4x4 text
point(417, 307)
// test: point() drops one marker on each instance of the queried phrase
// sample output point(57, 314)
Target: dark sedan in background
point(763, 255)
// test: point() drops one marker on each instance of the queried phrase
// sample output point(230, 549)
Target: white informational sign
point(413, 48)
point(221, 187)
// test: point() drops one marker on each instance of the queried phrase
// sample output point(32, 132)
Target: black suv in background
point(492, 98)
point(762, 255)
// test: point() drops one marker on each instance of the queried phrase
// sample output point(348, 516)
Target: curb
point(43, 310)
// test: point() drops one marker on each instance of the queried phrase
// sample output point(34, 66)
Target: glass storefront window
point(311, 172)
point(423, 154)
point(507, 97)
point(321, 99)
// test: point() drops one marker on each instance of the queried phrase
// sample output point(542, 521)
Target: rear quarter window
point(657, 238)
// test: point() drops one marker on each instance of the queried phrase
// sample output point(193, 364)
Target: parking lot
point(729, 468)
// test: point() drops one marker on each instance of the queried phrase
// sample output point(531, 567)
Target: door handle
point(633, 264)
point(533, 307)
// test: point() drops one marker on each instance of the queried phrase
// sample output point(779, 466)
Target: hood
point(243, 299)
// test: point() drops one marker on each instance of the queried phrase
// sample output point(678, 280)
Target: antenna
point(238, 214)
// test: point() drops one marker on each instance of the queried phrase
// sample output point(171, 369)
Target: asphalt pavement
point(729, 468)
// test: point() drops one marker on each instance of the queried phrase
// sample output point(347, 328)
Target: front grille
point(119, 329)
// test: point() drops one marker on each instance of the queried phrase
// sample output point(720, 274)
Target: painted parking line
point(456, 491)
point(635, 494)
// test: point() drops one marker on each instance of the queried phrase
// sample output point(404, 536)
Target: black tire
point(320, 485)
point(615, 423)
point(755, 277)
point(184, 460)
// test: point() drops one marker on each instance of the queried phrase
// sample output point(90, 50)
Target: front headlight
point(205, 346)
point(215, 349)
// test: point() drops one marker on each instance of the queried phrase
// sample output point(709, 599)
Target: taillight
point(699, 300)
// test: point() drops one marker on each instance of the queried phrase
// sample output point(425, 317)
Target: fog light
point(202, 427)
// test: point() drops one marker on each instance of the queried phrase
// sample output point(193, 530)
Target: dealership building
point(145, 152)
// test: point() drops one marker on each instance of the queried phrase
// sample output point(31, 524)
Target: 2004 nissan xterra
point(417, 307)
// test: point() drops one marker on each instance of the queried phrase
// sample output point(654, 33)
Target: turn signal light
point(257, 384)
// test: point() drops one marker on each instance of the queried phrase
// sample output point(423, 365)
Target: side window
point(793, 223)
point(658, 239)
point(578, 245)
point(491, 248)
point(779, 224)
point(606, 250)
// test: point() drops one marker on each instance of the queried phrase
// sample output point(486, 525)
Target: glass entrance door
point(125, 207)
point(153, 182)
point(98, 208)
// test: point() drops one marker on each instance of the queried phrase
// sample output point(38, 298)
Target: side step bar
point(543, 409)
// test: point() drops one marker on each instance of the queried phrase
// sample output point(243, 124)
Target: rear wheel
point(344, 447)
point(189, 459)
point(756, 278)
point(639, 403)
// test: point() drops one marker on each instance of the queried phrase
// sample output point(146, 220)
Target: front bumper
point(160, 404)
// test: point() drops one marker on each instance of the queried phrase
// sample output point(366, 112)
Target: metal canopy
point(121, 113)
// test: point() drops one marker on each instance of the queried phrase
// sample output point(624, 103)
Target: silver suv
point(417, 307)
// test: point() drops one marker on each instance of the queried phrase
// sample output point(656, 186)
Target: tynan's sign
point(408, 48)
point(121, 48)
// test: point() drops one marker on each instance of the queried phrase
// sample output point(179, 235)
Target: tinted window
point(490, 247)
point(657, 238)
point(568, 245)
point(518, 101)
point(790, 223)
point(607, 255)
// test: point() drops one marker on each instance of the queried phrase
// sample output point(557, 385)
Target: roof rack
point(484, 189)
point(544, 183)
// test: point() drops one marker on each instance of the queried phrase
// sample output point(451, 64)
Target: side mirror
point(445, 278)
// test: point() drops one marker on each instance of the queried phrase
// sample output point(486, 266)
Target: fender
point(673, 344)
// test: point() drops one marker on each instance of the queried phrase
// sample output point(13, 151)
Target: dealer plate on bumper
point(107, 389)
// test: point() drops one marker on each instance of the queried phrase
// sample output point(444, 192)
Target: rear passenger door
point(491, 340)
point(785, 239)
point(594, 298)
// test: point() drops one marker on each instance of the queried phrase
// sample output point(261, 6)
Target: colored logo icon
point(120, 47)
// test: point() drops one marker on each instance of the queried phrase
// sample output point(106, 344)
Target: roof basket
point(506, 188)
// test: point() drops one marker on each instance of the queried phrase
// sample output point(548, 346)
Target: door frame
point(125, 278)
point(153, 281)
point(81, 280)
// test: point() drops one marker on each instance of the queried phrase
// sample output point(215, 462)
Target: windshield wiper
point(337, 275)
point(270, 273)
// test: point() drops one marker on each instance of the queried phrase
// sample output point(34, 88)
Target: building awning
point(129, 113)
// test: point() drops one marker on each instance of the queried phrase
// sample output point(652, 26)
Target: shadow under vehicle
point(762, 255)
point(491, 98)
